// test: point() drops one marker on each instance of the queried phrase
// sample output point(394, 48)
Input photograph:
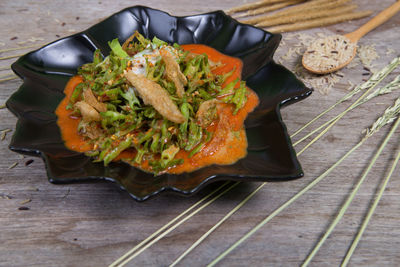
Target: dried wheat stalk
point(9, 78)
point(262, 10)
point(389, 115)
point(372, 82)
point(252, 5)
point(19, 48)
point(174, 223)
point(299, 9)
point(320, 22)
point(370, 213)
point(8, 57)
point(307, 16)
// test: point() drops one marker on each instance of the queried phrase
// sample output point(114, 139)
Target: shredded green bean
point(131, 123)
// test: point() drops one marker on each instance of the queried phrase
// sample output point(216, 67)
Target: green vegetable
point(97, 57)
point(239, 98)
point(158, 42)
point(117, 150)
point(117, 48)
point(129, 123)
point(131, 98)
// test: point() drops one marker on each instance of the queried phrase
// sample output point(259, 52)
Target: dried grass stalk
point(311, 5)
point(320, 22)
point(153, 239)
point(18, 48)
point(390, 87)
point(374, 79)
point(299, 9)
point(252, 5)
point(12, 166)
point(389, 116)
point(307, 16)
point(212, 229)
point(262, 10)
point(3, 133)
point(8, 57)
point(370, 213)
point(372, 82)
point(8, 79)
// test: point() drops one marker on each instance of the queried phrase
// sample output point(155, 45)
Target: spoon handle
point(374, 22)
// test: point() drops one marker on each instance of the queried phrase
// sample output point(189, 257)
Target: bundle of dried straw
point(292, 15)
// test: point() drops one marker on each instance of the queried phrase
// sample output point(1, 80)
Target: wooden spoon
point(334, 52)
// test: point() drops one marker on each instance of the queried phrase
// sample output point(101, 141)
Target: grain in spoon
point(332, 53)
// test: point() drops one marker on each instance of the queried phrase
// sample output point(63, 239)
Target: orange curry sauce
point(228, 144)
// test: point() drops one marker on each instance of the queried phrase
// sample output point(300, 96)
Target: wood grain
point(93, 224)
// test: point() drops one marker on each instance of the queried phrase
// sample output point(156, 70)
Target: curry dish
point(159, 107)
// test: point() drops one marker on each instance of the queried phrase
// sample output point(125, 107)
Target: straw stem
point(18, 48)
point(8, 57)
point(346, 205)
point(370, 213)
point(388, 116)
point(368, 86)
point(8, 79)
point(284, 206)
point(376, 78)
point(212, 229)
point(172, 228)
point(167, 225)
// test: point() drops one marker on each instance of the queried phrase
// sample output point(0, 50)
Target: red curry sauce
point(228, 144)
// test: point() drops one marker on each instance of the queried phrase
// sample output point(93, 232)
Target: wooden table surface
point(93, 224)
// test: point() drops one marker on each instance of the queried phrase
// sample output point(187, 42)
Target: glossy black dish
point(46, 71)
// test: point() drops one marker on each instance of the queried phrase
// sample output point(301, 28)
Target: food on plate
point(162, 108)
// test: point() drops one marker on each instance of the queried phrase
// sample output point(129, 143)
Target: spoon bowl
point(332, 53)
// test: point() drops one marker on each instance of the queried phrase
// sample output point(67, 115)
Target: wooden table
point(93, 224)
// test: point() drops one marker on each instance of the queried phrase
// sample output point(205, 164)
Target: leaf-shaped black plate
point(46, 71)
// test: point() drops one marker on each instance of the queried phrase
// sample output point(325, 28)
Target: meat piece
point(92, 131)
point(207, 112)
point(87, 111)
point(153, 94)
point(173, 71)
point(91, 100)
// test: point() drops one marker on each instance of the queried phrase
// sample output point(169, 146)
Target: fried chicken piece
point(92, 131)
point(173, 71)
point(152, 93)
point(207, 112)
point(88, 112)
point(91, 100)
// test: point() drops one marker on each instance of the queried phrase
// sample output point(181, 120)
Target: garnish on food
point(160, 107)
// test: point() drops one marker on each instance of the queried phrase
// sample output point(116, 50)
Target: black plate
point(46, 71)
